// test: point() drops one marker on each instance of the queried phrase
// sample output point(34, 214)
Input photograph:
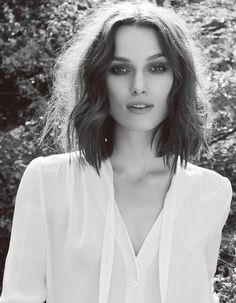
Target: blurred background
point(31, 36)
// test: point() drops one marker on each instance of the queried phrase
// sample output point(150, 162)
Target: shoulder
point(57, 166)
point(63, 165)
point(211, 186)
point(209, 178)
point(54, 162)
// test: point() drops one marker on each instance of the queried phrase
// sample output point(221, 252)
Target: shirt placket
point(134, 283)
point(134, 269)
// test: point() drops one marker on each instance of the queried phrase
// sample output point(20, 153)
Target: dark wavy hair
point(78, 112)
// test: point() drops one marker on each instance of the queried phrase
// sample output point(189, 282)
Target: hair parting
point(78, 110)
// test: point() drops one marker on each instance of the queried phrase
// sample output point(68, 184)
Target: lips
point(139, 109)
point(139, 105)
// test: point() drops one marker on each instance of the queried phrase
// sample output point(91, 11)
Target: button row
point(135, 283)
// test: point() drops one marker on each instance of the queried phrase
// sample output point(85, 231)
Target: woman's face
point(139, 79)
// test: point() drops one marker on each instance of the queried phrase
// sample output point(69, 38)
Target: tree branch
point(224, 136)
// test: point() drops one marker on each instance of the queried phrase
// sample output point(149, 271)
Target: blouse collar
point(109, 235)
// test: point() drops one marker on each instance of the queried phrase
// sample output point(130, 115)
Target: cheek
point(167, 82)
point(111, 89)
point(170, 82)
point(162, 91)
point(116, 91)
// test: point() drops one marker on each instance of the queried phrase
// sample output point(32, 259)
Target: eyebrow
point(149, 58)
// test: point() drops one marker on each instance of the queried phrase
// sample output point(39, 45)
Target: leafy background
point(31, 36)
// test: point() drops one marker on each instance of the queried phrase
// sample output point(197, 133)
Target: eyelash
point(115, 67)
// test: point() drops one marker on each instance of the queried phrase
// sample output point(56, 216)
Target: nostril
point(138, 92)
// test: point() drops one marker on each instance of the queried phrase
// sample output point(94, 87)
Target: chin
point(141, 128)
point(141, 125)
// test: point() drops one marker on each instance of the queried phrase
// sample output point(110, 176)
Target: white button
point(135, 283)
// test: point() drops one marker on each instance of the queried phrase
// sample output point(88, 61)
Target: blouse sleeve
point(213, 245)
point(24, 279)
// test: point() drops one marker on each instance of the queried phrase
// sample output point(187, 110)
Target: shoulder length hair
point(78, 112)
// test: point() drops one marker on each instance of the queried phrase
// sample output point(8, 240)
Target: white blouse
point(69, 243)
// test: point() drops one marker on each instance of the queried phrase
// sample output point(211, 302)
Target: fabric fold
point(168, 217)
point(166, 235)
point(107, 253)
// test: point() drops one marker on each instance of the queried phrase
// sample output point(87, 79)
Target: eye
point(160, 68)
point(119, 69)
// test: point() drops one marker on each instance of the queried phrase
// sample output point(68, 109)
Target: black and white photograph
point(118, 151)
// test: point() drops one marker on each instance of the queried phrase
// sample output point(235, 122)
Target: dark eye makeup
point(119, 69)
point(122, 69)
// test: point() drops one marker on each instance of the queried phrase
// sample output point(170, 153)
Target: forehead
point(136, 39)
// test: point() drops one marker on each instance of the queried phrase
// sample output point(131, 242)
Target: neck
point(132, 153)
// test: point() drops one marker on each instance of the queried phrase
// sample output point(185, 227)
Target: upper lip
point(139, 103)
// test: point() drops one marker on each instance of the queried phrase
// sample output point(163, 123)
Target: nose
point(138, 92)
point(138, 86)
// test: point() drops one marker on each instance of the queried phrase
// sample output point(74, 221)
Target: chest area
point(139, 204)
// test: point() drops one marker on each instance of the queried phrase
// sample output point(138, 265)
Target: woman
point(128, 218)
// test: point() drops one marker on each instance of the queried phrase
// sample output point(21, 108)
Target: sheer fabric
point(70, 244)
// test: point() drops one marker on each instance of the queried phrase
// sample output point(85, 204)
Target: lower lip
point(140, 111)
